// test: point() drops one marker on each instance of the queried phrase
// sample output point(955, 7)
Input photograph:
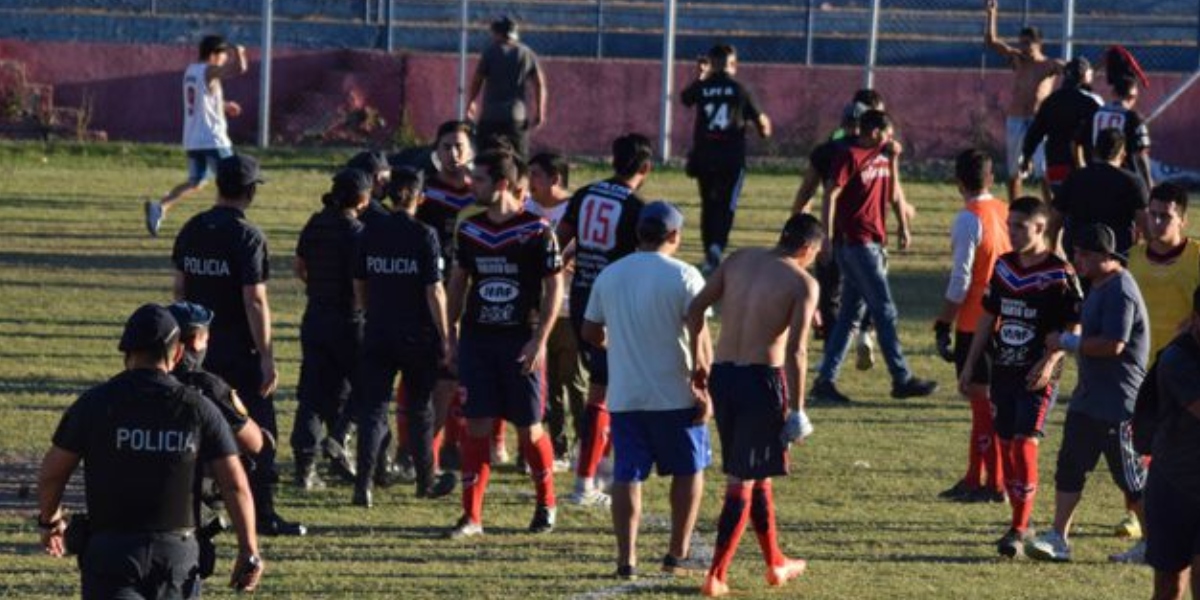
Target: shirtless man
point(1034, 81)
point(757, 384)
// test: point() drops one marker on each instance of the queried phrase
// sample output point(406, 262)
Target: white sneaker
point(500, 455)
point(1049, 546)
point(590, 499)
point(865, 352)
point(154, 216)
point(562, 465)
point(1133, 556)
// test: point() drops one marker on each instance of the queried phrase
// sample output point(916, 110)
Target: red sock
point(401, 420)
point(1025, 462)
point(455, 424)
point(762, 512)
point(730, 526)
point(498, 432)
point(981, 413)
point(1012, 483)
point(540, 457)
point(476, 468)
point(438, 439)
point(594, 441)
point(989, 443)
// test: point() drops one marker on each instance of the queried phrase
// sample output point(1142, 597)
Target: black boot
point(306, 478)
point(269, 521)
point(341, 462)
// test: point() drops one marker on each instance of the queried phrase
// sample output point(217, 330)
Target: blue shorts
point(1019, 411)
point(202, 164)
point(668, 439)
point(750, 402)
point(496, 388)
point(1172, 526)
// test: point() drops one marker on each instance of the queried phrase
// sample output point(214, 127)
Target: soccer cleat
point(443, 485)
point(1049, 546)
point(543, 519)
point(590, 499)
point(825, 391)
point(1133, 556)
point(274, 525)
point(683, 567)
point(465, 528)
point(865, 352)
point(959, 489)
point(981, 496)
point(1012, 545)
point(626, 572)
point(914, 388)
point(154, 216)
point(713, 587)
point(789, 570)
point(1129, 527)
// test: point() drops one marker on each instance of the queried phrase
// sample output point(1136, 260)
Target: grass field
point(861, 506)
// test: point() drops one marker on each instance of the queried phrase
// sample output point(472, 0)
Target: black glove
point(945, 346)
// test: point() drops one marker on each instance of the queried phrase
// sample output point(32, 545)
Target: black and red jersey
point(604, 218)
point(506, 263)
point(443, 202)
point(1029, 302)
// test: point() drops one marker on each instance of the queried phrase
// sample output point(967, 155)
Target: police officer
point(377, 168)
point(221, 262)
point(398, 281)
point(141, 436)
point(330, 331)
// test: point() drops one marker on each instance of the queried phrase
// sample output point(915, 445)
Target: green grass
point(75, 260)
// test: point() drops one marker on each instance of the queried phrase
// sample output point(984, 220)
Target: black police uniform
point(219, 252)
point(142, 435)
point(329, 332)
point(398, 259)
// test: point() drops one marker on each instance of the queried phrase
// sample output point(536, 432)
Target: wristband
point(1069, 342)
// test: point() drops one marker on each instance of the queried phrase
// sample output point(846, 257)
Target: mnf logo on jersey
point(497, 290)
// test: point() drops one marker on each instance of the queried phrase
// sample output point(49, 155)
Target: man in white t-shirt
point(205, 135)
point(636, 311)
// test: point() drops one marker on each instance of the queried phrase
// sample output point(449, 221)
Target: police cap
point(150, 327)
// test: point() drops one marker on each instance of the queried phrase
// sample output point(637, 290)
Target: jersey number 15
point(598, 225)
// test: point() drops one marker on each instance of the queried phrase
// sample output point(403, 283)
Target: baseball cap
point(659, 217)
point(1096, 237)
point(238, 171)
point(211, 44)
point(370, 162)
point(352, 181)
point(150, 327)
point(189, 314)
point(506, 27)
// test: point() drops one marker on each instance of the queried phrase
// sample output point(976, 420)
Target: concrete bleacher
point(940, 33)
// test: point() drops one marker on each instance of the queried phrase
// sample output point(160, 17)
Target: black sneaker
point(339, 459)
point(959, 489)
point(914, 388)
point(824, 391)
point(683, 567)
point(981, 496)
point(443, 485)
point(274, 525)
point(1012, 545)
point(543, 519)
point(362, 497)
point(626, 572)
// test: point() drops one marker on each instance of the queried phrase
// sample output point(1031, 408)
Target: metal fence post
point(668, 76)
point(810, 31)
point(599, 28)
point(1068, 35)
point(389, 21)
point(1025, 14)
point(463, 24)
point(872, 47)
point(264, 90)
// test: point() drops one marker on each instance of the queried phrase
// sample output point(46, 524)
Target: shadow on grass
point(39, 385)
point(89, 262)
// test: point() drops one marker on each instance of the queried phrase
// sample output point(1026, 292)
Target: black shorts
point(1172, 526)
point(1085, 439)
point(982, 374)
point(1019, 411)
point(595, 360)
point(495, 386)
point(750, 402)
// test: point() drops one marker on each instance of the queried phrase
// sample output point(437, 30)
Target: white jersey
point(204, 126)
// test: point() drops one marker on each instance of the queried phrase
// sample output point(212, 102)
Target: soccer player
point(1120, 114)
point(978, 237)
point(757, 383)
point(1033, 81)
point(1166, 265)
point(549, 176)
point(1057, 122)
point(724, 107)
point(1104, 193)
point(1032, 293)
point(507, 267)
point(504, 70)
point(1111, 352)
point(659, 417)
point(205, 138)
point(601, 220)
point(853, 215)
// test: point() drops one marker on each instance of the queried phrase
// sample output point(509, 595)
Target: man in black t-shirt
point(398, 283)
point(1058, 121)
point(141, 437)
point(1102, 193)
point(1119, 114)
point(601, 219)
point(718, 156)
point(221, 262)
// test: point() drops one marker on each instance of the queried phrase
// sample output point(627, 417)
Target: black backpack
point(1148, 412)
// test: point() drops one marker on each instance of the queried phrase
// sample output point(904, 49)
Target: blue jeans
point(864, 280)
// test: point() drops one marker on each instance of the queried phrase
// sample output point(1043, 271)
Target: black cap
point(1096, 237)
point(352, 181)
point(370, 162)
point(150, 327)
point(238, 172)
point(189, 314)
point(506, 27)
point(211, 44)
